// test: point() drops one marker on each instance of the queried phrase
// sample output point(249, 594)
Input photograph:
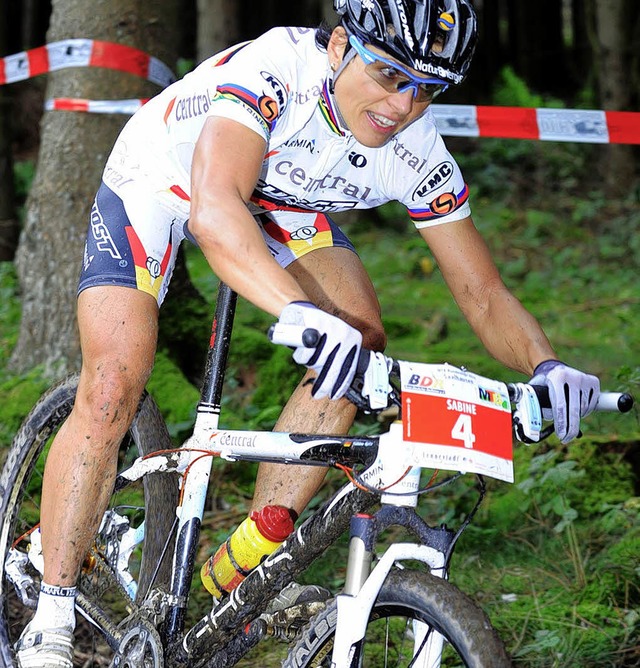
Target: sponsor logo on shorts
point(304, 233)
point(153, 267)
point(101, 234)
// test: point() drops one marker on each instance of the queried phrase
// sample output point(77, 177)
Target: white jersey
point(277, 85)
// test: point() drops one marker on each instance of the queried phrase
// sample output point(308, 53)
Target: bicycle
point(134, 586)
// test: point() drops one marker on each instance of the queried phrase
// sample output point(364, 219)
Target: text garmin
point(306, 144)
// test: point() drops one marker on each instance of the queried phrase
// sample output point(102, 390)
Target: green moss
point(175, 396)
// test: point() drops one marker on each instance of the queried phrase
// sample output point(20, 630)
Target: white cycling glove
point(335, 357)
point(573, 394)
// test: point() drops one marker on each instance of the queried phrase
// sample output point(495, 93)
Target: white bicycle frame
point(389, 467)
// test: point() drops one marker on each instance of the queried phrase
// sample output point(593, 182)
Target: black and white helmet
point(409, 29)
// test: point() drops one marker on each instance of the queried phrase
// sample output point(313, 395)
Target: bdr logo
point(422, 381)
point(425, 383)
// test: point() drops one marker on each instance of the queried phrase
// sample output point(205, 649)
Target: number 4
point(463, 430)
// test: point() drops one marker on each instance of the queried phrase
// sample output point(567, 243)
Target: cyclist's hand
point(573, 395)
point(335, 356)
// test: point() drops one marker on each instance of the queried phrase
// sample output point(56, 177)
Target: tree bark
point(73, 149)
point(612, 53)
point(218, 26)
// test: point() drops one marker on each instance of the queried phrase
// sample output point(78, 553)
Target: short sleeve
point(440, 194)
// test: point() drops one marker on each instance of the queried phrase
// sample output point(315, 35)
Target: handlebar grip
point(294, 336)
point(615, 401)
point(363, 362)
point(607, 401)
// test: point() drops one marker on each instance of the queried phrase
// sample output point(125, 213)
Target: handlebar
point(295, 336)
point(620, 402)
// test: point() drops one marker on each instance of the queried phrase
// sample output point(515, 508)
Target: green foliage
point(177, 397)
point(9, 312)
point(23, 173)
point(184, 66)
point(512, 91)
point(17, 393)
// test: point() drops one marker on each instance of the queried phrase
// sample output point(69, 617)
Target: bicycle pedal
point(286, 624)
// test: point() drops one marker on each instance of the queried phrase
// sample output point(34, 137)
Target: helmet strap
point(348, 56)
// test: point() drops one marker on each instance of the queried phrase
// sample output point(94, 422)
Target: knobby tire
point(20, 485)
point(471, 641)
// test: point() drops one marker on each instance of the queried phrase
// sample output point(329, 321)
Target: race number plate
point(462, 421)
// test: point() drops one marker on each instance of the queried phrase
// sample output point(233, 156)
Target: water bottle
point(256, 538)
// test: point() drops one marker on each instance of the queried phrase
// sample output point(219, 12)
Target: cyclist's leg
point(118, 331)
point(336, 281)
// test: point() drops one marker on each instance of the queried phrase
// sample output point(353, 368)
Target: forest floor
point(552, 558)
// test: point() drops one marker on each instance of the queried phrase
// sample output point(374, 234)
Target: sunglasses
point(395, 78)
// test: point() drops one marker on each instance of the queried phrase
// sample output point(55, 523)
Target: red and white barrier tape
point(83, 53)
point(574, 125)
point(94, 106)
point(570, 125)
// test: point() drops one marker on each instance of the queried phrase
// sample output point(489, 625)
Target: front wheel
point(411, 607)
point(138, 520)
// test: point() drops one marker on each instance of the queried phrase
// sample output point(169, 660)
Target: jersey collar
point(329, 110)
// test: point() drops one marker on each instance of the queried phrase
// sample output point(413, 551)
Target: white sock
point(56, 608)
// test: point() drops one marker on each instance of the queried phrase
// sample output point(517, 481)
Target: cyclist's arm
point(226, 165)
point(508, 331)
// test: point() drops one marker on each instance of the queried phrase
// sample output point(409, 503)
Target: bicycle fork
point(362, 584)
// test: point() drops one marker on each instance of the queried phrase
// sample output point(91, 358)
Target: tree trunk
point(74, 147)
point(613, 51)
point(218, 26)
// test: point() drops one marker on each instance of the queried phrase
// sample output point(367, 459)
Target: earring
point(333, 66)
